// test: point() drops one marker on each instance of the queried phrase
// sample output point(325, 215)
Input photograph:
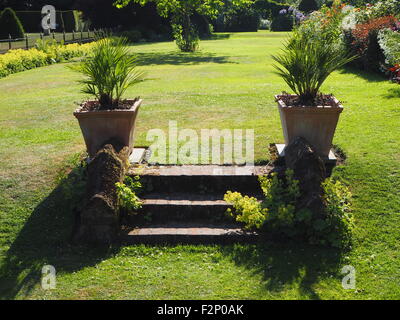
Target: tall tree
point(181, 11)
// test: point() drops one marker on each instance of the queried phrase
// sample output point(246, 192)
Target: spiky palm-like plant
point(305, 65)
point(109, 71)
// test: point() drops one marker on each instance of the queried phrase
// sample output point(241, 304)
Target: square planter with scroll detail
point(99, 127)
point(317, 124)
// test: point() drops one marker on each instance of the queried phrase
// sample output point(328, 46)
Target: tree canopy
point(36, 4)
point(181, 7)
point(180, 12)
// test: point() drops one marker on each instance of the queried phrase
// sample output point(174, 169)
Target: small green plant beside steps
point(278, 213)
point(128, 195)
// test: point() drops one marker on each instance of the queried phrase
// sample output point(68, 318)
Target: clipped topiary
point(308, 6)
point(282, 23)
point(10, 25)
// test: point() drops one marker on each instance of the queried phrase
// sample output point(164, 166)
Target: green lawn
point(228, 84)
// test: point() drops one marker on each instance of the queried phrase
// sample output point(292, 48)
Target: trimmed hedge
point(10, 25)
point(242, 20)
point(70, 20)
point(282, 23)
point(20, 60)
point(133, 36)
point(269, 9)
point(308, 6)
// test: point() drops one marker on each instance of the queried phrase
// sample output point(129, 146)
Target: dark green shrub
point(242, 20)
point(268, 9)
point(202, 25)
point(282, 23)
point(308, 6)
point(67, 21)
point(132, 35)
point(147, 33)
point(10, 25)
point(71, 21)
point(186, 42)
point(31, 20)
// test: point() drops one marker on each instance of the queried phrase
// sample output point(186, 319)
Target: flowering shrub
point(370, 32)
point(377, 10)
point(363, 41)
point(287, 19)
point(395, 73)
point(362, 32)
point(324, 24)
point(389, 41)
point(19, 60)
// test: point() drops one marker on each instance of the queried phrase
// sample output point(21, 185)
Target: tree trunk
point(186, 30)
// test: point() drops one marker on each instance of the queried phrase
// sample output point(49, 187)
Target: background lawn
point(228, 84)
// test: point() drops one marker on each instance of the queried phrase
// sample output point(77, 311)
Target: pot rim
point(134, 108)
point(282, 104)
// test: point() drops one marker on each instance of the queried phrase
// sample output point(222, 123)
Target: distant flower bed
point(45, 53)
point(371, 32)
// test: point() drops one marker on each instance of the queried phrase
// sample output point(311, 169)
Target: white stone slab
point(137, 155)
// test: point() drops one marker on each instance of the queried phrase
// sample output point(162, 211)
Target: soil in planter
point(96, 106)
point(320, 100)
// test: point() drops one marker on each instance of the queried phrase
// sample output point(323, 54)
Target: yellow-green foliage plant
point(278, 213)
point(128, 194)
point(44, 54)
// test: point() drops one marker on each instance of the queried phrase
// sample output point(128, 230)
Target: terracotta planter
point(316, 124)
point(98, 127)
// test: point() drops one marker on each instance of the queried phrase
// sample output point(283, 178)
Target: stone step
point(208, 179)
point(181, 207)
point(188, 234)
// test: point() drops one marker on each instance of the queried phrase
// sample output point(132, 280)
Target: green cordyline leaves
point(109, 71)
point(305, 65)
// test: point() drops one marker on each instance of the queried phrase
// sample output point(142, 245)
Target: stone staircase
point(184, 204)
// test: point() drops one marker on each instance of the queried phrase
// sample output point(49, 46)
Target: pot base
point(331, 159)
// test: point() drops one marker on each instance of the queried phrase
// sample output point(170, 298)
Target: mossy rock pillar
point(98, 221)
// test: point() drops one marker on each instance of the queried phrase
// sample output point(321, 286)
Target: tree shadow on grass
point(45, 240)
point(392, 93)
point(179, 58)
point(284, 264)
point(218, 36)
point(367, 75)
